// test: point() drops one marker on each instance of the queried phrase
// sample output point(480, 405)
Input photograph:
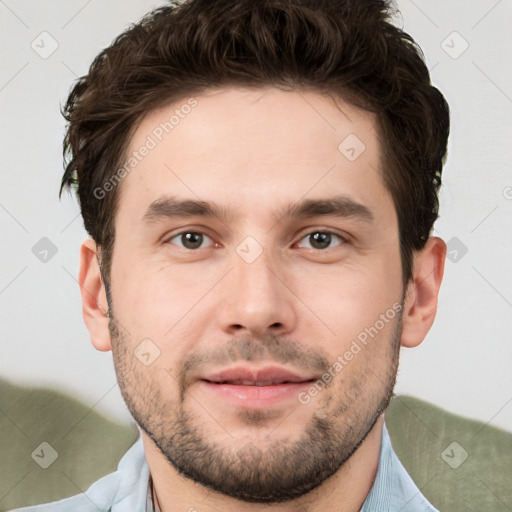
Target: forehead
point(249, 146)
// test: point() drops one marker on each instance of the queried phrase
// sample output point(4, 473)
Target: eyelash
point(309, 233)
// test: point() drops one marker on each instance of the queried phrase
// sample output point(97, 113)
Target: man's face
point(223, 324)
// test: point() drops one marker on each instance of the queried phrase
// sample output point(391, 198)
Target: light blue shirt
point(127, 489)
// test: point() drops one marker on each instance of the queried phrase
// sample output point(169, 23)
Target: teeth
point(253, 383)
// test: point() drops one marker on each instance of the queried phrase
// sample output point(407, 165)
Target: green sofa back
point(53, 446)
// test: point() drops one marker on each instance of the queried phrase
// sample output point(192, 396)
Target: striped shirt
point(129, 488)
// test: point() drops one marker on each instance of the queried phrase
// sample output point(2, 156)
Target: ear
point(422, 291)
point(94, 299)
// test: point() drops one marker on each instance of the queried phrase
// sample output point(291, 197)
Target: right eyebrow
point(169, 207)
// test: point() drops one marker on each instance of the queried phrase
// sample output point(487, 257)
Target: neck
point(346, 490)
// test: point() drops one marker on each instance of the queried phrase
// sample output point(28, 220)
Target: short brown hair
point(347, 48)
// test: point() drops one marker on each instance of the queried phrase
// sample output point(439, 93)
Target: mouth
point(265, 376)
point(256, 388)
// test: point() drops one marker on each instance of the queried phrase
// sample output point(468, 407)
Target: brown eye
point(321, 239)
point(190, 239)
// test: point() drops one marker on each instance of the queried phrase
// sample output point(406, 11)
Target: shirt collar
point(392, 489)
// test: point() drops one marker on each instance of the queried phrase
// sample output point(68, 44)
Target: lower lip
point(256, 396)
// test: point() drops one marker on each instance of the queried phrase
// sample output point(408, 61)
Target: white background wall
point(463, 365)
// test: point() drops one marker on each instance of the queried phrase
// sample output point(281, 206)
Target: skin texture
point(281, 297)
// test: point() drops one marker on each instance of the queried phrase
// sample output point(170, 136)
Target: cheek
point(163, 302)
point(144, 290)
point(346, 301)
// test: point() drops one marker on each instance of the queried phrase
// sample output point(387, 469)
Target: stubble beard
point(281, 470)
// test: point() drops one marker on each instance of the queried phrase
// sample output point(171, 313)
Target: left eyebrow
point(338, 206)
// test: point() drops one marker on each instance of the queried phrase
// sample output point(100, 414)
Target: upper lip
point(253, 376)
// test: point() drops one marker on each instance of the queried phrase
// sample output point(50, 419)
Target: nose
point(256, 299)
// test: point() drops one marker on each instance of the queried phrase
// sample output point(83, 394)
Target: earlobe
point(422, 292)
point(94, 300)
